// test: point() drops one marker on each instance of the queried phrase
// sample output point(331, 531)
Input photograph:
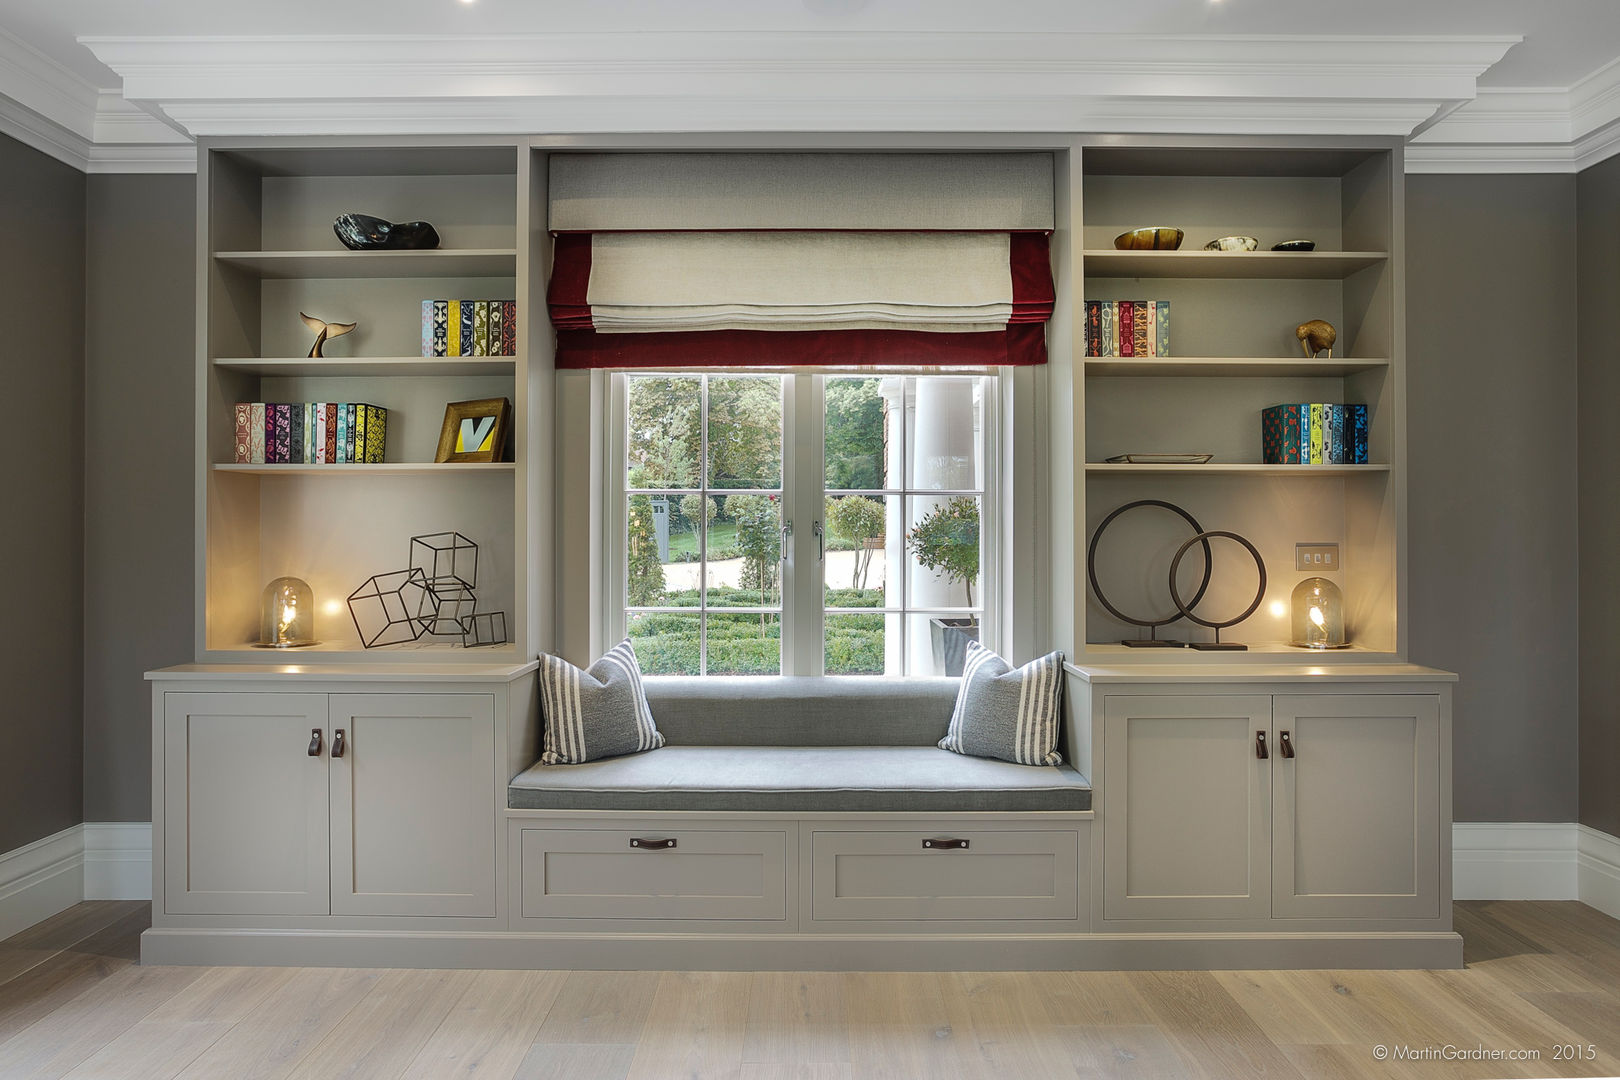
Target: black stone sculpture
point(362, 232)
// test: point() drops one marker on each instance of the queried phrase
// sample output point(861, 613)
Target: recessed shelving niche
point(269, 253)
point(1234, 352)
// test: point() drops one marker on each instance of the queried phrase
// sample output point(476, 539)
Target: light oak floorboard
point(695, 1028)
point(577, 1061)
point(287, 1025)
point(796, 1018)
point(1539, 975)
point(600, 1007)
point(382, 1035)
point(489, 1032)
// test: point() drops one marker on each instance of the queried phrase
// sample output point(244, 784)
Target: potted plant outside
point(946, 541)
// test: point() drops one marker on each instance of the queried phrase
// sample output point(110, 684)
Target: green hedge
point(668, 643)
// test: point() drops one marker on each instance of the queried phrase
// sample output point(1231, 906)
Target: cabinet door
point(413, 804)
point(1357, 807)
point(244, 805)
point(1186, 808)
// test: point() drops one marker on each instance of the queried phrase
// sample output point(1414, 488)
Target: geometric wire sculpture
point(434, 596)
point(485, 628)
point(446, 558)
point(1186, 609)
point(1150, 625)
point(447, 609)
point(387, 609)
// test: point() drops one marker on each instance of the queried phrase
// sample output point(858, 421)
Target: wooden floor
point(73, 1003)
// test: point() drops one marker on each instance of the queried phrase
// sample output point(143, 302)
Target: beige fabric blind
point(607, 192)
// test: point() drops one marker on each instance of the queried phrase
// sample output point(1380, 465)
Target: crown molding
point(927, 81)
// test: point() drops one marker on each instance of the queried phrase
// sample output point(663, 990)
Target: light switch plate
point(1316, 558)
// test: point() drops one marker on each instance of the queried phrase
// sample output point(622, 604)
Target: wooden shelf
point(350, 366)
point(1216, 468)
point(392, 468)
point(1324, 265)
point(1240, 366)
point(470, 262)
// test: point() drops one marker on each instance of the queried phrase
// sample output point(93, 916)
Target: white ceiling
point(1478, 85)
point(1564, 40)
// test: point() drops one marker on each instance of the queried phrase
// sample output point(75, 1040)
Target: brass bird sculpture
point(1317, 336)
point(324, 331)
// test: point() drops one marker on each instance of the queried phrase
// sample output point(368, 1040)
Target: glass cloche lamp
point(287, 614)
point(1318, 615)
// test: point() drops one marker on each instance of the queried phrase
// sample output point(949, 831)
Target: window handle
point(821, 542)
point(787, 532)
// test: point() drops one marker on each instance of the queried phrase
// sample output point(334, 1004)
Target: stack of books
point(315, 433)
point(1127, 328)
point(1314, 434)
point(469, 328)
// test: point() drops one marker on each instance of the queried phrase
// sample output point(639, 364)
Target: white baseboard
point(118, 860)
point(1598, 864)
point(37, 880)
point(1514, 861)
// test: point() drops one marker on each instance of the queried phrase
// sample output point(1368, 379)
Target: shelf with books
point(342, 263)
point(369, 366)
point(388, 468)
point(1217, 468)
point(1299, 265)
point(1233, 366)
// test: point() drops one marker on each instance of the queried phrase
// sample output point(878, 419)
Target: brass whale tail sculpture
point(324, 331)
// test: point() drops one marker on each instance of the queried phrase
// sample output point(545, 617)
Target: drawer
point(902, 876)
point(600, 874)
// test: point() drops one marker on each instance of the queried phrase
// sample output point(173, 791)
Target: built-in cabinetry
point(1272, 799)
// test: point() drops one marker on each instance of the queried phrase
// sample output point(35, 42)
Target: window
point(801, 524)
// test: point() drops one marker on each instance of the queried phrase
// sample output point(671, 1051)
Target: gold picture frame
point(484, 423)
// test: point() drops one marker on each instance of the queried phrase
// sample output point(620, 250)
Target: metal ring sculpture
point(1186, 609)
point(1151, 625)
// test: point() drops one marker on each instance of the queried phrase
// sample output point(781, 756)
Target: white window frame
point(803, 499)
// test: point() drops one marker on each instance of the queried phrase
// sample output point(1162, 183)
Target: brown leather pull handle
point(315, 742)
point(652, 845)
point(1260, 750)
point(946, 845)
point(1287, 744)
point(339, 744)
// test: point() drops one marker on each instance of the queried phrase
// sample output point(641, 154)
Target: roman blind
point(736, 260)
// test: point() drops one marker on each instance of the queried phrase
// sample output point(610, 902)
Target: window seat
point(801, 745)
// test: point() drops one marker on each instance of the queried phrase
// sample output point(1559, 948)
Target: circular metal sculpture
point(1150, 625)
point(1186, 609)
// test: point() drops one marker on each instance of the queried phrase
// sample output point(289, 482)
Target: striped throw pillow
point(1013, 714)
point(596, 713)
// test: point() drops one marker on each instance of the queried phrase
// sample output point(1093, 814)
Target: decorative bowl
point(1232, 243)
point(1152, 238)
point(362, 232)
point(1295, 245)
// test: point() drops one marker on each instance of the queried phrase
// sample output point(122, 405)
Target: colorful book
point(1285, 435)
point(1093, 327)
point(295, 434)
point(452, 328)
point(376, 434)
point(318, 414)
point(467, 323)
point(331, 433)
point(508, 327)
point(1335, 451)
point(480, 327)
point(441, 322)
point(256, 433)
point(243, 453)
point(497, 313)
point(350, 432)
point(1151, 321)
point(1109, 337)
point(309, 434)
point(427, 328)
point(1139, 329)
point(1161, 344)
point(1316, 434)
point(1357, 427)
point(1127, 328)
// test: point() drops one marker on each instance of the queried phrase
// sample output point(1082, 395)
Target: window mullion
point(802, 478)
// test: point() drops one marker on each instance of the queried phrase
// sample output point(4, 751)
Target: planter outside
point(950, 640)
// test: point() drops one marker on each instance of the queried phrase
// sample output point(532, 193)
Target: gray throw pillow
point(1012, 714)
point(597, 713)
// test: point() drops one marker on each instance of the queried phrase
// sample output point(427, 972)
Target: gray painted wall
point(1598, 213)
point(42, 491)
point(139, 357)
point(1491, 408)
point(1492, 385)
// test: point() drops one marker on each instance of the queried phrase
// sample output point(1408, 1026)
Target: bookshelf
point(266, 252)
point(1234, 353)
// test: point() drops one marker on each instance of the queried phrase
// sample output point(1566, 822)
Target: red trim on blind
point(568, 294)
point(1019, 345)
point(1032, 288)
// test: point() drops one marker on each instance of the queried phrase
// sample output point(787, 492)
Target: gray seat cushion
point(800, 779)
point(755, 710)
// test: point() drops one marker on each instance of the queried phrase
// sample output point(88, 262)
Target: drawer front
point(909, 876)
point(600, 874)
